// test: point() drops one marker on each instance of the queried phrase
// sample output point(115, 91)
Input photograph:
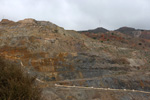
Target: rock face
point(28, 21)
point(65, 57)
point(6, 21)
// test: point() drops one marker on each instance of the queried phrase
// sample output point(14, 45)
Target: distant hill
point(141, 33)
point(124, 36)
point(145, 34)
point(97, 30)
point(126, 29)
point(135, 32)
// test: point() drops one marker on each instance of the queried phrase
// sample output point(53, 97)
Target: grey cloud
point(81, 14)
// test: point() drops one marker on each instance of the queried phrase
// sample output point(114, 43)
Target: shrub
point(94, 37)
point(56, 31)
point(140, 43)
point(15, 84)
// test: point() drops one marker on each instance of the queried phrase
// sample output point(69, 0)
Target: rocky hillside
point(145, 34)
point(124, 37)
point(136, 33)
point(62, 58)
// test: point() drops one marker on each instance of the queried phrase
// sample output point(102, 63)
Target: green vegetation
point(15, 84)
point(56, 31)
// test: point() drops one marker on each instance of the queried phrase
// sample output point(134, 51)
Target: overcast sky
point(81, 14)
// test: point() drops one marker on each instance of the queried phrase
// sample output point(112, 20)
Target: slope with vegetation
point(15, 84)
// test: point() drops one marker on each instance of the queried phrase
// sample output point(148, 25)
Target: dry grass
point(16, 85)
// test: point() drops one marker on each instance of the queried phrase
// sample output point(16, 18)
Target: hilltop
point(97, 30)
point(67, 57)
